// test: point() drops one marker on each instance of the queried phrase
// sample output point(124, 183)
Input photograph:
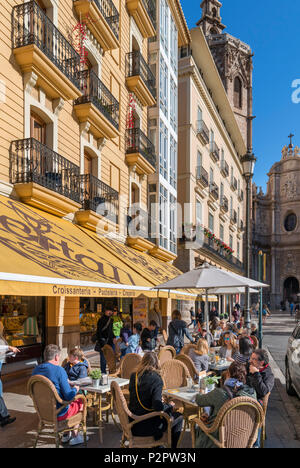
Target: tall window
point(211, 176)
point(163, 150)
point(222, 232)
point(173, 245)
point(174, 45)
point(173, 162)
point(231, 242)
point(238, 93)
point(163, 217)
point(173, 104)
point(198, 212)
point(163, 86)
point(221, 192)
point(211, 222)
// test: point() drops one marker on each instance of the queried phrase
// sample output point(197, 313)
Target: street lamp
point(248, 162)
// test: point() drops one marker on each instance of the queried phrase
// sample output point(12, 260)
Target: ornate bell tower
point(233, 59)
point(211, 19)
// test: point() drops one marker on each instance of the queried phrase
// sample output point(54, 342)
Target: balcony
point(139, 79)
point(241, 195)
point(214, 191)
point(234, 184)
point(39, 48)
point(144, 14)
point(202, 132)
point(224, 205)
point(215, 152)
point(221, 254)
point(44, 179)
point(233, 217)
point(102, 20)
point(224, 168)
point(100, 205)
point(202, 177)
point(140, 152)
point(241, 226)
point(139, 228)
point(97, 106)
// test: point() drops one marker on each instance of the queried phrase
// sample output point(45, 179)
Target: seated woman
point(77, 366)
point(145, 390)
point(245, 350)
point(199, 355)
point(230, 349)
point(234, 387)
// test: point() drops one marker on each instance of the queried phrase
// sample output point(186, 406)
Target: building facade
point(163, 120)
point(276, 232)
point(75, 91)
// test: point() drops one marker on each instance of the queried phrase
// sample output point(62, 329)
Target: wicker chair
point(166, 353)
point(265, 403)
point(111, 359)
point(124, 417)
point(186, 349)
point(45, 399)
point(237, 424)
point(193, 373)
point(128, 364)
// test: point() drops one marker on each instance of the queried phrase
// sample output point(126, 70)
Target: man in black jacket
point(105, 335)
point(148, 337)
point(260, 375)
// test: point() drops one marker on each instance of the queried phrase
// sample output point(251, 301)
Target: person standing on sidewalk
point(105, 334)
point(193, 317)
point(5, 417)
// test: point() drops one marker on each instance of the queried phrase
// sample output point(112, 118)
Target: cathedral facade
point(276, 229)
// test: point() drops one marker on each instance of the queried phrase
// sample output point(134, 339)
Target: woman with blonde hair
point(230, 349)
point(199, 355)
point(145, 390)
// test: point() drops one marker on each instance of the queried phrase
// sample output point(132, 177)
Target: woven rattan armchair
point(186, 349)
point(45, 399)
point(237, 424)
point(166, 353)
point(128, 365)
point(111, 359)
point(188, 362)
point(265, 403)
point(125, 417)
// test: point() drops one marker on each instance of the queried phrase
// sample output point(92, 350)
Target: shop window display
point(22, 319)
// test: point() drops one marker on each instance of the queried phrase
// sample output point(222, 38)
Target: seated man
point(260, 376)
point(58, 376)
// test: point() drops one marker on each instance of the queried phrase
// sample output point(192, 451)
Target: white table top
point(106, 388)
point(182, 394)
point(220, 366)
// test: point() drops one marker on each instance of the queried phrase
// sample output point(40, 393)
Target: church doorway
point(291, 289)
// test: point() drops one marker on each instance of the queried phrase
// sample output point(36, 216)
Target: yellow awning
point(42, 255)
point(44, 248)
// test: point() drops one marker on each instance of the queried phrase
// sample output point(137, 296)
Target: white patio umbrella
point(209, 277)
point(238, 290)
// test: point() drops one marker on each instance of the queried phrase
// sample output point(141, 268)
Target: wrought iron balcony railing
point(151, 10)
point(110, 13)
point(137, 142)
point(214, 191)
point(203, 131)
point(224, 204)
point(215, 151)
point(137, 66)
point(99, 197)
point(32, 26)
point(95, 91)
point(233, 217)
point(202, 176)
point(140, 223)
point(224, 168)
point(31, 161)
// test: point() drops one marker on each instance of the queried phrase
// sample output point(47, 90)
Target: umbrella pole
point(206, 311)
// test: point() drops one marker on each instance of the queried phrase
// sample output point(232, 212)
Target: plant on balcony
point(212, 237)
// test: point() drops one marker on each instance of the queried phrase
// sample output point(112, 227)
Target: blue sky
point(271, 28)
